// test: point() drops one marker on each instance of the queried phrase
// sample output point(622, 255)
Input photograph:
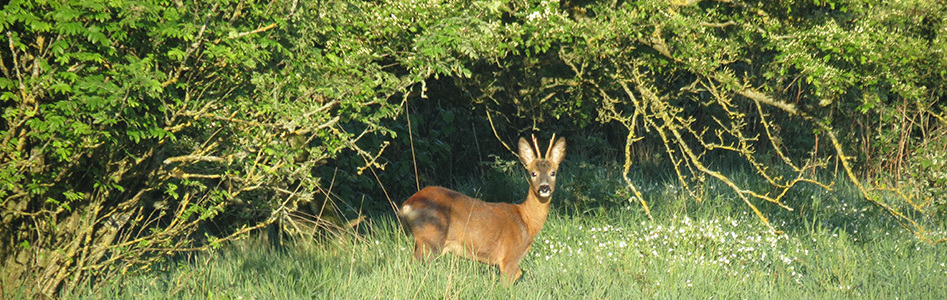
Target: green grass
point(835, 247)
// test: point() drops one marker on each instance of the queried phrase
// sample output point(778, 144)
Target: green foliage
point(130, 127)
point(763, 82)
point(929, 177)
point(132, 130)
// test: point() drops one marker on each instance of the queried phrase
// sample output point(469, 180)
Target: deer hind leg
point(428, 242)
point(510, 271)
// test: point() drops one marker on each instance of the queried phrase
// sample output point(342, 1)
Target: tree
point(136, 130)
point(768, 83)
point(131, 127)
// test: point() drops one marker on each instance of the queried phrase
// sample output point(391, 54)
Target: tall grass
point(835, 246)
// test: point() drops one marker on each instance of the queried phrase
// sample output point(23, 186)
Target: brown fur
point(442, 220)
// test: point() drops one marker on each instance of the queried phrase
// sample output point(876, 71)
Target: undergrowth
point(833, 246)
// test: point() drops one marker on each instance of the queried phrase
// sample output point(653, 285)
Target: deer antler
point(552, 140)
point(536, 146)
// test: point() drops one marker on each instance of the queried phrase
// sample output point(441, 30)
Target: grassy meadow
point(834, 246)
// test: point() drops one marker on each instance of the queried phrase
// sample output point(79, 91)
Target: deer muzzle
point(544, 190)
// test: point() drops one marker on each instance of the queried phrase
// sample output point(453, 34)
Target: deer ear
point(557, 152)
point(526, 152)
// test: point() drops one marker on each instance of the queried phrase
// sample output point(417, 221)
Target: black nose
point(545, 188)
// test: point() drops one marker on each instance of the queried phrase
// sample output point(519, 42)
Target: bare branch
point(258, 30)
point(182, 158)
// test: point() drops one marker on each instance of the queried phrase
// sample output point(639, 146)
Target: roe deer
point(442, 220)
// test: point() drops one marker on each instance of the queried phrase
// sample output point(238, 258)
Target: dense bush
point(134, 130)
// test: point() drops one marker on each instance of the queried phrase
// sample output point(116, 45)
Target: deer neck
point(534, 213)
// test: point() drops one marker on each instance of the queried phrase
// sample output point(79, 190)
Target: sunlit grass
point(728, 246)
point(839, 247)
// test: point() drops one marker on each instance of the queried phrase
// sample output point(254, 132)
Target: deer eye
point(553, 173)
point(534, 174)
